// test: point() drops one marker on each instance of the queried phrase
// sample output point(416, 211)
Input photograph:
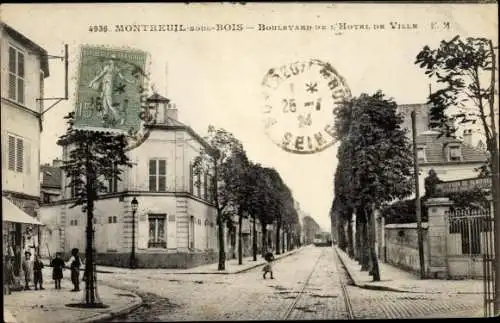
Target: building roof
point(51, 176)
point(172, 124)
point(435, 152)
point(158, 98)
point(42, 53)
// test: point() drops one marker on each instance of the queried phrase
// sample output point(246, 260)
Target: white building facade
point(175, 223)
point(24, 69)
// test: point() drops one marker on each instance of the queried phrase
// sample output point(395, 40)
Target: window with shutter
point(19, 155)
point(27, 148)
point(12, 152)
point(16, 75)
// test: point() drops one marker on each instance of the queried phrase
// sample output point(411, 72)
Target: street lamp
point(134, 204)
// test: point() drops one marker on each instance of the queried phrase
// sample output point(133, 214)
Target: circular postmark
point(299, 103)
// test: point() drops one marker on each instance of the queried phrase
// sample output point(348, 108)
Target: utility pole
point(417, 196)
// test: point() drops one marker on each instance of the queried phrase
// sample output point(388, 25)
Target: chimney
point(172, 111)
point(57, 162)
point(468, 137)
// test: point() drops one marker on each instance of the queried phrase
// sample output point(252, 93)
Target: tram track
point(348, 306)
point(343, 287)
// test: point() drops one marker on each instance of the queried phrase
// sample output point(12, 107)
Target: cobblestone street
point(247, 296)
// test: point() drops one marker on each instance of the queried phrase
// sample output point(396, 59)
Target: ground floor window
point(157, 237)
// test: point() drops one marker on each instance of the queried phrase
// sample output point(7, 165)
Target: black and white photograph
point(234, 161)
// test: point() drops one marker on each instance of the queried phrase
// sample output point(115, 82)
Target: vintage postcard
point(249, 161)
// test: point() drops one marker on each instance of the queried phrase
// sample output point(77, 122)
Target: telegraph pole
point(417, 196)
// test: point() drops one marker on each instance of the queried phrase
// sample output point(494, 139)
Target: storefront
point(20, 233)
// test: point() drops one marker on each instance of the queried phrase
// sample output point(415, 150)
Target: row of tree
point(374, 158)
point(374, 168)
point(239, 187)
point(246, 189)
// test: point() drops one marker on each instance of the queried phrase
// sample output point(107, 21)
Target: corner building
point(175, 223)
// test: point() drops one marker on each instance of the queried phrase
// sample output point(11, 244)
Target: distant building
point(51, 181)
point(451, 158)
point(24, 69)
point(309, 229)
point(176, 219)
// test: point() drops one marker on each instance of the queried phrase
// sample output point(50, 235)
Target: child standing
point(27, 269)
point(37, 272)
point(268, 268)
point(57, 270)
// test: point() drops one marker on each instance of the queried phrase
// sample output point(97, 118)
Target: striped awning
point(11, 213)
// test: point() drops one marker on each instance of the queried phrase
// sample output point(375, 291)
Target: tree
point(380, 163)
point(467, 69)
point(236, 177)
point(214, 158)
point(260, 196)
point(94, 159)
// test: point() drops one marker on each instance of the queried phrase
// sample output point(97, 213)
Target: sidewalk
point(232, 266)
point(398, 280)
point(49, 305)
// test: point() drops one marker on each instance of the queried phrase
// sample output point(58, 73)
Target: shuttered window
point(16, 148)
point(16, 75)
point(12, 153)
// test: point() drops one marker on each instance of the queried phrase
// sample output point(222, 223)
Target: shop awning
point(11, 213)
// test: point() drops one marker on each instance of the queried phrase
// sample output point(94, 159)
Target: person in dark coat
point(74, 264)
point(37, 272)
point(8, 275)
point(57, 265)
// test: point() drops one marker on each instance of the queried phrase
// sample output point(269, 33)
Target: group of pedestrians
point(33, 270)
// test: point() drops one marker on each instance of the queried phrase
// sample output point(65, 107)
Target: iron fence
point(471, 237)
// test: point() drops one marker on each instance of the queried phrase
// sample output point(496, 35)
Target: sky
point(214, 77)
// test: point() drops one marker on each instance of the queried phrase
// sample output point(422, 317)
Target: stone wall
point(401, 246)
point(182, 260)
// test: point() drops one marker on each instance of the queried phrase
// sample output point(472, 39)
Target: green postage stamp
point(110, 89)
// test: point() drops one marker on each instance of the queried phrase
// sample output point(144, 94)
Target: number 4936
point(98, 28)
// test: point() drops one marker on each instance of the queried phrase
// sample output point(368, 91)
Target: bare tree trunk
point(283, 242)
point(278, 227)
point(222, 254)
point(254, 239)
point(375, 272)
point(264, 239)
point(365, 259)
point(91, 297)
point(233, 241)
point(357, 235)
point(240, 238)
point(350, 242)
point(220, 222)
